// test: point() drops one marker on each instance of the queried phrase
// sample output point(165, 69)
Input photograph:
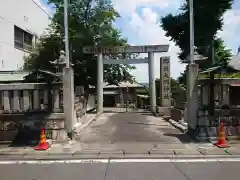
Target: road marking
point(95, 161)
point(80, 161)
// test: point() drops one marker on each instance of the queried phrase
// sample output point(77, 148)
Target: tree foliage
point(208, 20)
point(222, 55)
point(90, 23)
point(178, 93)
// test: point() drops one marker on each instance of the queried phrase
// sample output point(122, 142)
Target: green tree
point(207, 22)
point(177, 91)
point(222, 55)
point(89, 24)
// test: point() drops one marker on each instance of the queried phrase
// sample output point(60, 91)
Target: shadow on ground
point(23, 129)
point(184, 138)
point(130, 127)
point(26, 137)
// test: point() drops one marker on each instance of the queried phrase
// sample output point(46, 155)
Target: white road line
point(95, 161)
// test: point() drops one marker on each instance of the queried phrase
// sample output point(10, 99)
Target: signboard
point(126, 49)
point(125, 61)
point(165, 84)
point(79, 90)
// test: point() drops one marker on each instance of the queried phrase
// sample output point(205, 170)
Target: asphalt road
point(123, 171)
point(131, 128)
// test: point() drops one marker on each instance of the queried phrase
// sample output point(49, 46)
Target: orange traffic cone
point(43, 145)
point(222, 142)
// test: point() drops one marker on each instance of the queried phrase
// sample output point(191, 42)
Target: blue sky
point(139, 23)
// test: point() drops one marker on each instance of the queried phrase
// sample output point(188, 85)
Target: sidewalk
point(125, 135)
point(76, 150)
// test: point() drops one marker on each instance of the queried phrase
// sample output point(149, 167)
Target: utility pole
point(66, 32)
point(211, 91)
point(190, 82)
point(191, 52)
point(191, 21)
point(191, 76)
point(127, 99)
point(213, 52)
point(68, 81)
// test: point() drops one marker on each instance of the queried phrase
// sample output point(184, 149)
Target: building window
point(22, 39)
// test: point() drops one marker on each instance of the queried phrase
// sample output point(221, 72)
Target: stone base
point(176, 114)
point(59, 135)
point(210, 133)
point(7, 136)
point(163, 111)
point(26, 127)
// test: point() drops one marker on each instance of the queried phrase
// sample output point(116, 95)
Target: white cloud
point(231, 29)
point(127, 7)
point(146, 27)
point(232, 17)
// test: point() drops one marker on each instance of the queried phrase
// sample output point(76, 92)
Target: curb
point(81, 127)
point(64, 156)
point(179, 126)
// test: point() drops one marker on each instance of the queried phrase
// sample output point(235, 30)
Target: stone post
point(192, 92)
point(205, 94)
point(26, 104)
point(225, 95)
point(36, 100)
point(16, 100)
point(45, 98)
point(165, 87)
point(56, 100)
point(68, 99)
point(1, 100)
point(6, 101)
point(165, 82)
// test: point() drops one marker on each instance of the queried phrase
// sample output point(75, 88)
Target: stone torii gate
point(150, 49)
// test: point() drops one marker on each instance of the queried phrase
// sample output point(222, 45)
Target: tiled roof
point(13, 75)
point(123, 84)
point(7, 76)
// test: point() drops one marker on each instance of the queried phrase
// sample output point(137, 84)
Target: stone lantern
point(197, 57)
point(59, 63)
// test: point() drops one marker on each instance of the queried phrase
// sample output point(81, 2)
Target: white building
point(21, 23)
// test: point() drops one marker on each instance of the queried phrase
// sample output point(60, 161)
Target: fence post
point(36, 102)
point(6, 101)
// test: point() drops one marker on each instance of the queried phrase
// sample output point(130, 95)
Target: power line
point(41, 8)
point(6, 44)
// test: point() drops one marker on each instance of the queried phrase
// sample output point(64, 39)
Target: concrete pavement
point(120, 151)
point(123, 146)
point(125, 135)
point(131, 127)
point(110, 170)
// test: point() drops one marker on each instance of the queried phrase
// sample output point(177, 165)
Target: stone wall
point(207, 127)
point(80, 107)
point(15, 126)
point(28, 107)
